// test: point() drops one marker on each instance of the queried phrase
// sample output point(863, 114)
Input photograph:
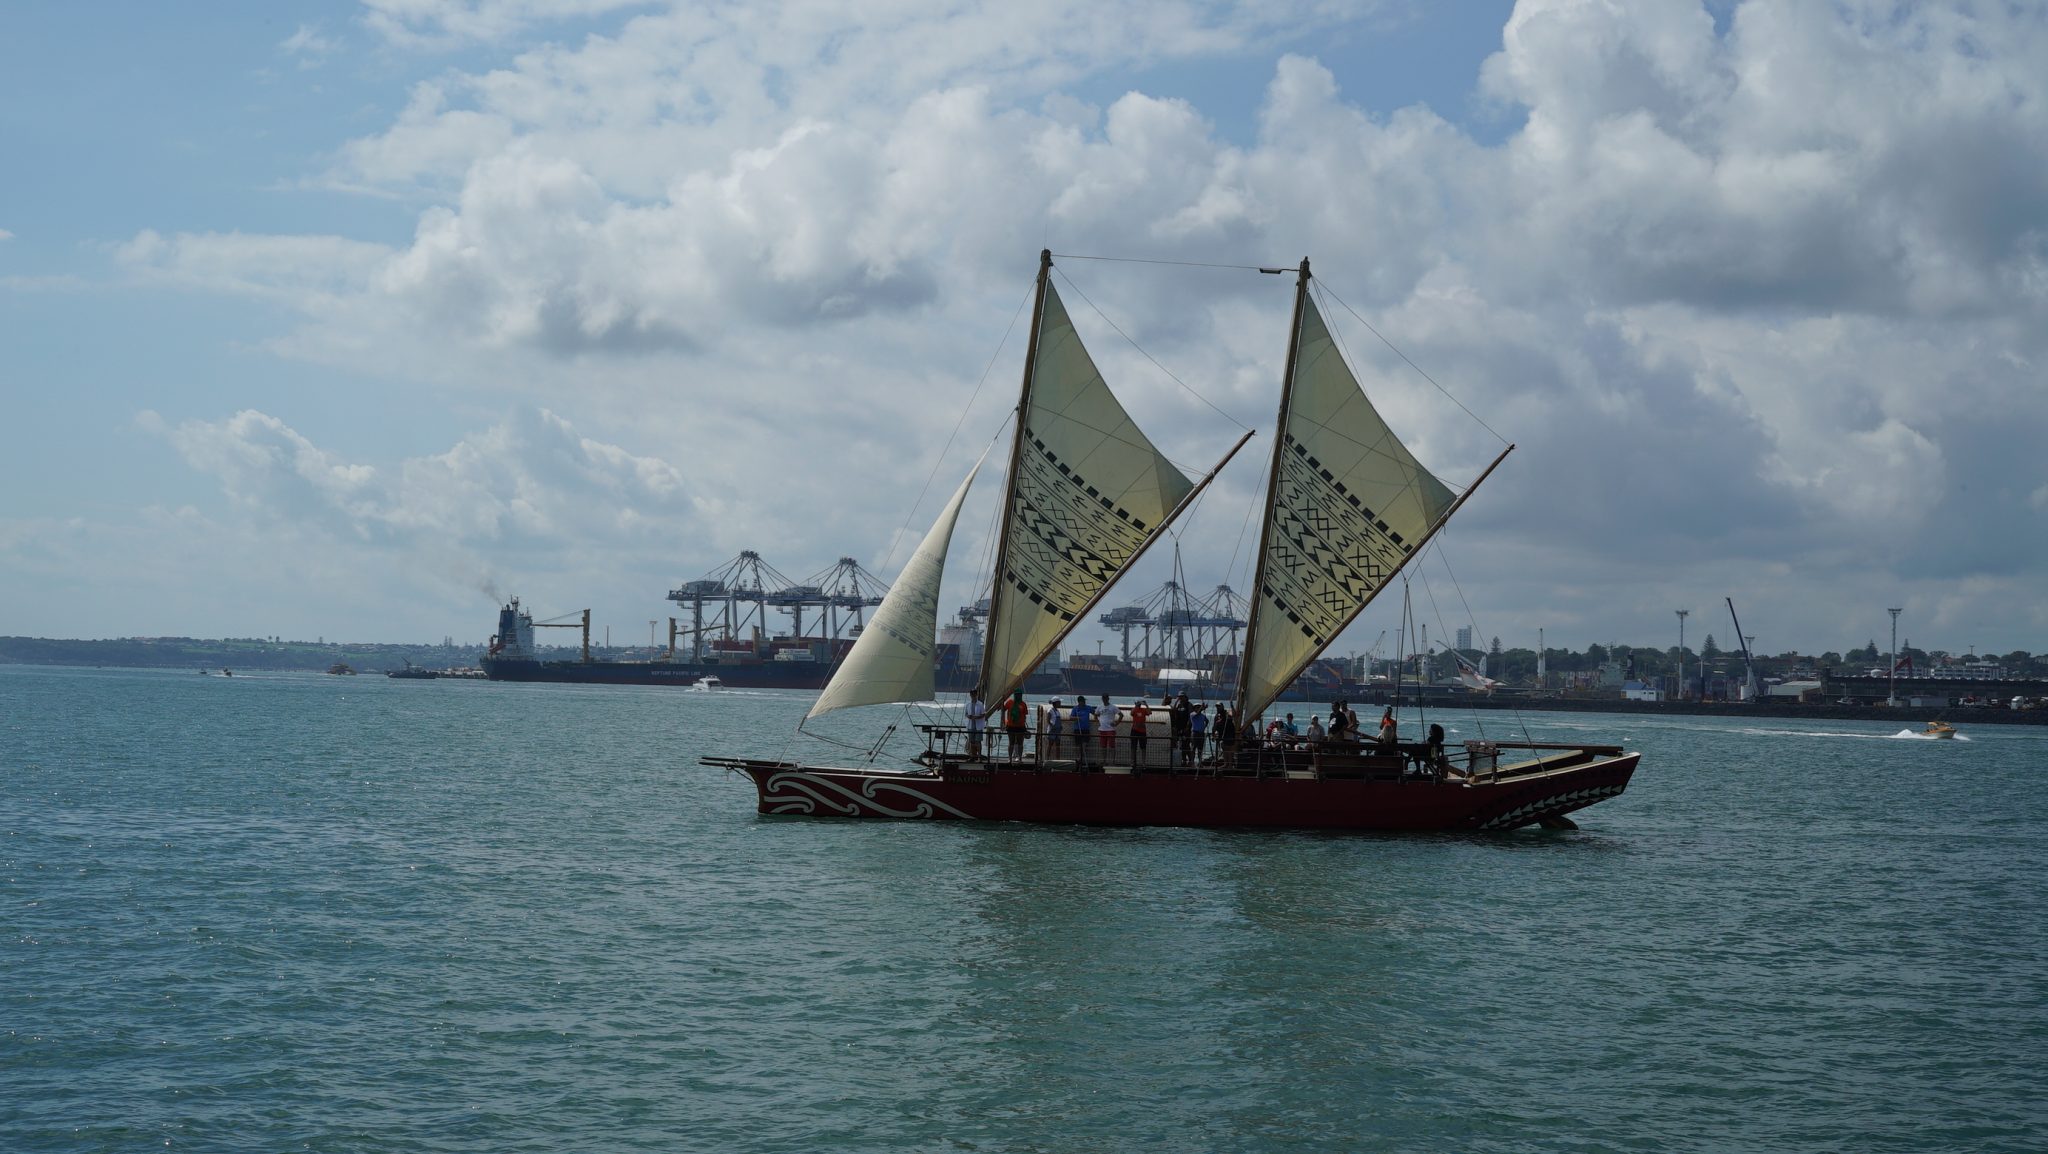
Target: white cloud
point(308, 45)
point(530, 481)
point(1767, 295)
point(444, 23)
point(308, 271)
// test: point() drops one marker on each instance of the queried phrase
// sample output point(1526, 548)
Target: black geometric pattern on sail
point(923, 609)
point(1328, 551)
point(1067, 539)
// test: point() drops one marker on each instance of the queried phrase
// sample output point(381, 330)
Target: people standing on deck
point(1177, 727)
point(1226, 730)
point(1014, 717)
point(1198, 733)
point(1140, 712)
point(1337, 722)
point(1055, 729)
point(1083, 721)
point(1315, 728)
point(1351, 724)
point(1389, 730)
point(1105, 720)
point(1438, 760)
point(977, 720)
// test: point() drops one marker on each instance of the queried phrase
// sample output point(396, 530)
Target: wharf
point(1956, 714)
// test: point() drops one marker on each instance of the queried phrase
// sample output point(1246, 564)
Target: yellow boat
point(1938, 729)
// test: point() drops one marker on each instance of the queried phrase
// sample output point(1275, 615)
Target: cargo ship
point(784, 664)
point(789, 662)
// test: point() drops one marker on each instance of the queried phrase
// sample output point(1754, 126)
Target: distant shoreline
point(1957, 714)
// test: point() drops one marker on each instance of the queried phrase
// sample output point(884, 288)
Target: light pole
point(1682, 615)
point(1891, 693)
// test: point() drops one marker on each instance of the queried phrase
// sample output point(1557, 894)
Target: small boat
point(412, 672)
point(708, 682)
point(1939, 729)
point(341, 669)
point(1347, 507)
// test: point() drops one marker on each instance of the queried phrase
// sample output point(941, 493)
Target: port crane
point(744, 589)
point(1750, 687)
point(584, 623)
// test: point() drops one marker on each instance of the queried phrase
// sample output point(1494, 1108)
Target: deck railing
point(1164, 752)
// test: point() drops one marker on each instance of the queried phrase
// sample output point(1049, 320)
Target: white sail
point(1349, 504)
point(1088, 491)
point(892, 658)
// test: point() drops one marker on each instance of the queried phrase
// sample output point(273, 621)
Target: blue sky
point(342, 319)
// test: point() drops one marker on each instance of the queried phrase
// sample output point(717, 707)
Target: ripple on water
point(354, 914)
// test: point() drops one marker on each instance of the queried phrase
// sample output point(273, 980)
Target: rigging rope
point(908, 517)
point(1147, 260)
point(1189, 389)
point(1411, 364)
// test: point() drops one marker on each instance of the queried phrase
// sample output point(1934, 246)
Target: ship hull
point(765, 675)
point(976, 791)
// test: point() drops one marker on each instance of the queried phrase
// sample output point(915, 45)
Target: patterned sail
point(1348, 506)
point(892, 659)
point(1088, 492)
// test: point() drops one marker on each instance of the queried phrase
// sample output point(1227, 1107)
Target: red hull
point(978, 792)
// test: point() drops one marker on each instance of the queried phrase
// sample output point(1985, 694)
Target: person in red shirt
point(1139, 712)
point(1013, 724)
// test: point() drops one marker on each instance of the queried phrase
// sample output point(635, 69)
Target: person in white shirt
point(977, 720)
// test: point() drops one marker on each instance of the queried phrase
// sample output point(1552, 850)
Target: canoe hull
point(974, 791)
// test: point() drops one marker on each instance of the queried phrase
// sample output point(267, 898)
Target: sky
point(348, 319)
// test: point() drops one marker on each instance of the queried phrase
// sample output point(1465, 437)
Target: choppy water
point(353, 914)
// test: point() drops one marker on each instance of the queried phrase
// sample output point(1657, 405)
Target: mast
point(1325, 554)
point(1251, 631)
point(1081, 615)
point(996, 595)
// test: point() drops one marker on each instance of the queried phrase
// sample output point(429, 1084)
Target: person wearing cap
point(1055, 728)
point(1014, 716)
point(1140, 712)
point(1198, 733)
point(977, 720)
point(1083, 719)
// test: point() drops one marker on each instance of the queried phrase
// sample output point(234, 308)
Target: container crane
point(1750, 688)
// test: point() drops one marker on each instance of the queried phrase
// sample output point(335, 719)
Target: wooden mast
point(996, 593)
point(1080, 615)
point(1251, 631)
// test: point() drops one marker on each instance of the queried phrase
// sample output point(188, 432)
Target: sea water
point(303, 912)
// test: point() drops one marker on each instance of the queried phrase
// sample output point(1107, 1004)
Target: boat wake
point(1916, 735)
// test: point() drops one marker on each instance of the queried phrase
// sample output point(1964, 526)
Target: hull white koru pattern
point(1561, 803)
point(790, 791)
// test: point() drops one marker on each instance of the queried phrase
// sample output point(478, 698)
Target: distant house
point(1637, 691)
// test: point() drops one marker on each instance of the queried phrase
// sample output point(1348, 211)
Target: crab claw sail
point(892, 659)
point(1348, 505)
point(1088, 492)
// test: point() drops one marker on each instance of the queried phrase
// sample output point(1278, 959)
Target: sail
point(1088, 491)
point(892, 658)
point(1349, 503)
